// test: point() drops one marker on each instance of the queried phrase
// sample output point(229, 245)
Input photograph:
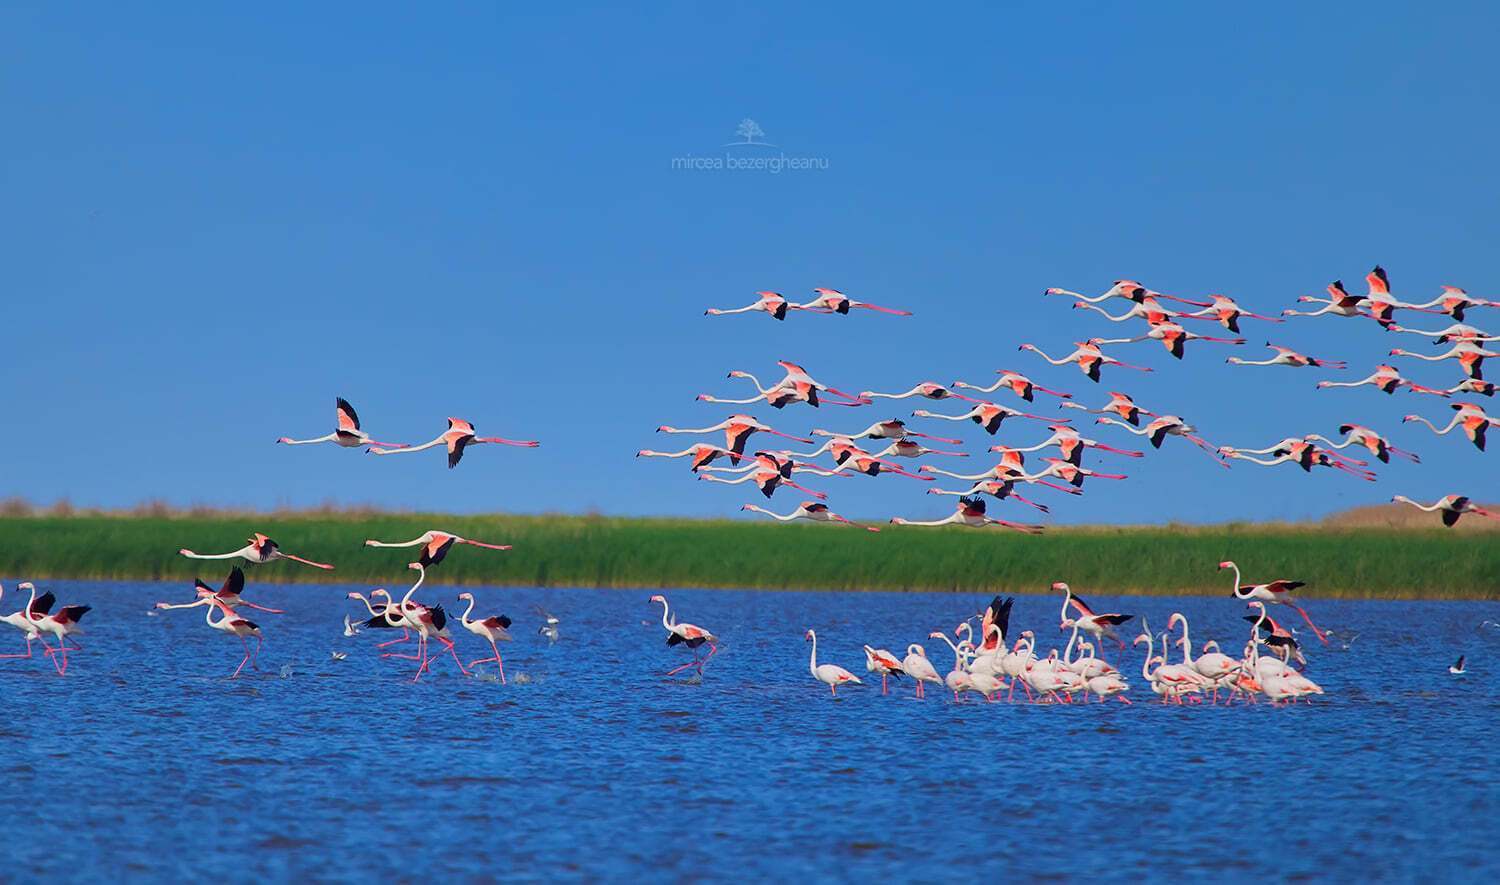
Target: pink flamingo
point(1285, 356)
point(1278, 592)
point(1088, 357)
point(435, 545)
point(737, 430)
point(1016, 383)
point(691, 635)
point(812, 511)
point(348, 434)
point(834, 301)
point(459, 436)
point(986, 414)
point(260, 550)
point(492, 629)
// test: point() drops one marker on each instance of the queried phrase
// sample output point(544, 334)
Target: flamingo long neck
point(1187, 643)
point(812, 662)
point(468, 611)
point(1146, 664)
point(1236, 587)
point(1068, 652)
point(421, 576)
point(1067, 596)
point(665, 622)
point(368, 607)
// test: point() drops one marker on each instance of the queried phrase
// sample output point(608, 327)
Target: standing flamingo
point(348, 434)
point(492, 629)
point(970, 512)
point(1088, 357)
point(1278, 592)
point(435, 545)
point(916, 665)
point(831, 675)
point(834, 301)
point(690, 635)
point(1016, 383)
point(878, 660)
point(1386, 379)
point(1452, 507)
point(812, 511)
point(459, 436)
point(1470, 417)
point(24, 619)
point(260, 550)
point(1285, 356)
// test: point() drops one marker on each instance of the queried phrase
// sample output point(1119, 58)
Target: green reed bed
point(605, 552)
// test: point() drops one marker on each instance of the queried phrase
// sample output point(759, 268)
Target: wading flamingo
point(1214, 665)
point(957, 679)
point(986, 414)
point(492, 629)
point(737, 430)
point(1285, 356)
point(1452, 507)
point(1358, 434)
point(435, 545)
point(1475, 423)
point(260, 550)
point(916, 665)
point(970, 512)
point(1120, 405)
point(24, 618)
point(831, 675)
point(1087, 356)
point(691, 635)
point(348, 433)
point(1386, 379)
point(810, 510)
point(459, 436)
point(878, 660)
point(1016, 383)
point(1278, 592)
point(834, 301)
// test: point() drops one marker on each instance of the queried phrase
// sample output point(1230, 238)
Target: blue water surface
point(145, 763)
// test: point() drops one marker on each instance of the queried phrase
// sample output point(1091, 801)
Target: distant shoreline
point(612, 552)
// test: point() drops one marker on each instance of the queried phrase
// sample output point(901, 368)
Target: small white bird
point(549, 625)
point(1458, 667)
point(338, 655)
point(349, 630)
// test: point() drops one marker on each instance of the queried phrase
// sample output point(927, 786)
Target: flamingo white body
point(456, 439)
point(493, 629)
point(812, 511)
point(916, 665)
point(691, 635)
point(831, 675)
point(348, 433)
point(260, 550)
point(435, 545)
point(1285, 356)
point(1451, 506)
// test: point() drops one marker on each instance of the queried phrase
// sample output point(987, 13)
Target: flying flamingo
point(1278, 592)
point(737, 429)
point(1098, 625)
point(24, 619)
point(1387, 379)
point(260, 550)
point(1070, 473)
point(1120, 404)
point(691, 635)
point(1358, 434)
point(491, 629)
point(768, 472)
point(348, 433)
point(702, 455)
point(1300, 451)
point(905, 448)
point(229, 623)
point(810, 510)
point(772, 303)
point(927, 389)
point(1285, 356)
point(986, 414)
point(893, 429)
point(435, 545)
point(1471, 418)
point(999, 489)
point(1382, 304)
point(780, 395)
point(1452, 507)
point(1143, 307)
point(805, 385)
point(831, 675)
point(1071, 445)
point(834, 301)
point(1304, 455)
point(1339, 303)
point(1164, 426)
point(1123, 289)
point(1470, 357)
point(1454, 332)
point(852, 457)
point(1454, 301)
point(1087, 355)
point(1010, 469)
point(878, 660)
point(1228, 313)
point(459, 436)
point(1471, 385)
point(1016, 383)
point(970, 512)
point(1277, 637)
point(916, 665)
point(1172, 336)
point(229, 592)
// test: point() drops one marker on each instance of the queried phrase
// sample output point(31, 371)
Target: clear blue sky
point(216, 220)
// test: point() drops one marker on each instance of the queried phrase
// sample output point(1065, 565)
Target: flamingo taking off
point(834, 301)
point(229, 592)
point(1452, 507)
point(1278, 592)
point(1097, 624)
point(831, 675)
point(435, 545)
point(1285, 356)
point(491, 629)
point(691, 635)
point(349, 435)
point(229, 623)
point(260, 550)
point(459, 436)
point(813, 511)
